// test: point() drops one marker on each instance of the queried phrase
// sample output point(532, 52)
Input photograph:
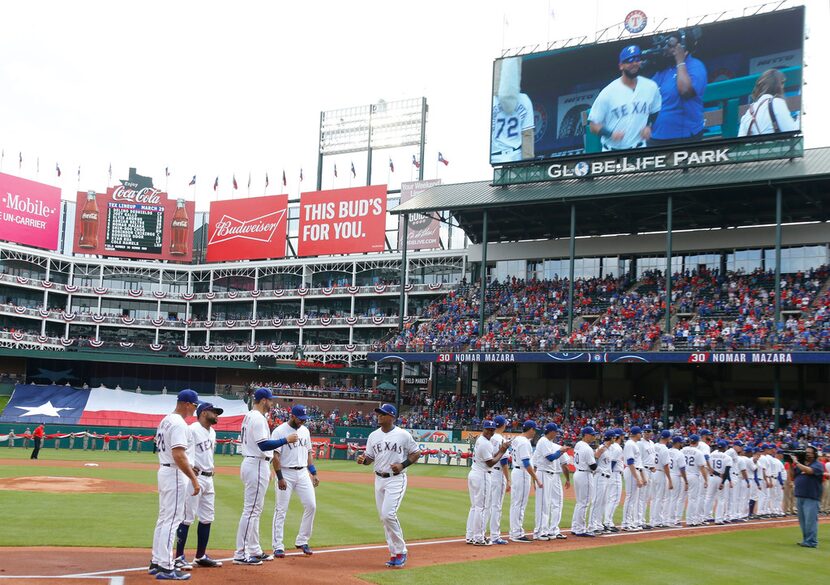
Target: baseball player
point(391, 450)
point(649, 471)
point(603, 484)
point(755, 483)
point(294, 467)
point(737, 506)
point(485, 456)
point(615, 491)
point(586, 463)
point(765, 484)
point(661, 481)
point(634, 479)
point(500, 483)
point(200, 454)
point(779, 478)
point(172, 439)
point(624, 111)
point(721, 465)
point(698, 479)
point(705, 447)
point(256, 447)
point(523, 475)
point(511, 134)
point(547, 460)
point(679, 482)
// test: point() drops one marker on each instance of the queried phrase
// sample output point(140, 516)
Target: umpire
point(807, 477)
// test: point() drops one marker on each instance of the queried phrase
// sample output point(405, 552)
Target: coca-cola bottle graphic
point(181, 223)
point(89, 223)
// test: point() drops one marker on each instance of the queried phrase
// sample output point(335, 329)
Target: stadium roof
point(710, 197)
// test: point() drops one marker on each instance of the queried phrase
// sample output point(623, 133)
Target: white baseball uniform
point(733, 495)
point(677, 464)
point(695, 462)
point(755, 480)
point(294, 469)
point(506, 130)
point(385, 449)
point(712, 491)
point(173, 486)
point(498, 482)
point(583, 459)
point(765, 475)
point(632, 456)
point(549, 497)
point(255, 472)
point(615, 492)
point(480, 485)
point(719, 461)
point(649, 470)
point(200, 454)
point(520, 480)
point(620, 108)
point(777, 492)
point(660, 487)
point(740, 505)
point(603, 484)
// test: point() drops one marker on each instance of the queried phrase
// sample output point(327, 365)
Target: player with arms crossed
point(391, 449)
point(479, 482)
point(200, 505)
point(626, 108)
point(172, 439)
point(256, 475)
point(296, 473)
point(511, 135)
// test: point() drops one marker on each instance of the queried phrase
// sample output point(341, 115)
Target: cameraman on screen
point(807, 477)
point(682, 82)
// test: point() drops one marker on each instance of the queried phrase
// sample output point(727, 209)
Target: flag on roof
point(216, 184)
point(58, 169)
point(441, 159)
point(391, 165)
point(192, 181)
point(235, 186)
point(415, 162)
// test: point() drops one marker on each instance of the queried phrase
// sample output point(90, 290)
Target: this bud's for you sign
point(342, 221)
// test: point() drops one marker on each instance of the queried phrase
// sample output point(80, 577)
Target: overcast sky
point(217, 88)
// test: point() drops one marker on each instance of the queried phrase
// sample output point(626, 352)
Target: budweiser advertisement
point(247, 229)
point(424, 231)
point(342, 221)
point(30, 212)
point(134, 220)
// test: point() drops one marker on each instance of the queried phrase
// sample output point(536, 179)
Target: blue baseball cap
point(551, 427)
point(738, 443)
point(299, 411)
point(387, 409)
point(704, 432)
point(722, 444)
point(647, 428)
point(677, 439)
point(609, 434)
point(630, 54)
point(635, 431)
point(208, 406)
point(189, 396)
point(263, 393)
point(749, 450)
point(588, 431)
point(529, 424)
point(618, 432)
point(694, 438)
point(488, 424)
point(500, 421)
point(665, 434)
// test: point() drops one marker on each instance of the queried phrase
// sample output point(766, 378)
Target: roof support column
point(777, 263)
point(571, 260)
point(483, 298)
point(404, 245)
point(669, 218)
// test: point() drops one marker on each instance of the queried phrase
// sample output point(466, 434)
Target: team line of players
point(710, 480)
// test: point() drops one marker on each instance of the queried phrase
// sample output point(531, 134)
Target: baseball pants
point(255, 473)
point(631, 506)
point(694, 504)
point(297, 481)
point(173, 490)
point(478, 484)
point(498, 486)
point(708, 509)
point(614, 494)
point(202, 505)
point(646, 493)
point(603, 487)
point(659, 498)
point(763, 499)
point(776, 506)
point(389, 492)
point(720, 499)
point(677, 499)
point(741, 509)
point(519, 494)
point(583, 492)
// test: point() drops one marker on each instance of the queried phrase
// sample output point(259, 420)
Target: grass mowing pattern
point(748, 557)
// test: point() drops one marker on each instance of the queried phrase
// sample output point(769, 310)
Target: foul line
point(111, 580)
point(455, 540)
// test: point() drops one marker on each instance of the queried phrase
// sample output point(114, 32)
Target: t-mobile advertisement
point(30, 212)
point(342, 221)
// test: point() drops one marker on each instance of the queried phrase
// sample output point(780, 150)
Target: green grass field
point(752, 557)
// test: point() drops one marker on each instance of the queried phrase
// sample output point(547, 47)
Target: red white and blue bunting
point(47, 283)
point(159, 294)
point(96, 342)
point(70, 288)
point(325, 320)
point(135, 293)
point(98, 318)
point(156, 347)
point(353, 290)
point(19, 310)
point(188, 296)
point(157, 321)
point(127, 320)
point(184, 348)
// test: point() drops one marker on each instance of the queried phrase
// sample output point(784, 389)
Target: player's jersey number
point(160, 443)
point(576, 458)
point(510, 125)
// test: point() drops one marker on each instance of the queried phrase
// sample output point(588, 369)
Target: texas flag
point(62, 405)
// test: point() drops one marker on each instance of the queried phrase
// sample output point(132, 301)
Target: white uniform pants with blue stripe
point(173, 488)
point(389, 492)
point(479, 486)
point(519, 494)
point(256, 474)
point(583, 489)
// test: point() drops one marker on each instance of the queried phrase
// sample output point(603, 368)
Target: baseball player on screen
point(172, 439)
point(202, 504)
point(511, 134)
point(294, 466)
point(523, 475)
point(255, 446)
point(500, 481)
point(391, 449)
point(479, 482)
point(626, 108)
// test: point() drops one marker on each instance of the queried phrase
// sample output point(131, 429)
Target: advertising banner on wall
point(342, 221)
point(30, 212)
point(134, 220)
point(424, 231)
point(247, 229)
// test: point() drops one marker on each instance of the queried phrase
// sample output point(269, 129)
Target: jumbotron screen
point(722, 80)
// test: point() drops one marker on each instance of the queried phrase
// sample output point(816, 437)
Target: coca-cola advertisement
point(342, 221)
point(247, 229)
point(134, 220)
point(424, 231)
point(30, 212)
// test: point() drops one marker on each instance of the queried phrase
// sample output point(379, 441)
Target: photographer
point(807, 477)
point(682, 82)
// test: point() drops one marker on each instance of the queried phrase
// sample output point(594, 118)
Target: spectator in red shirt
point(38, 437)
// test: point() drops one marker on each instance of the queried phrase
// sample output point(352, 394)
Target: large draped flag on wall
point(62, 405)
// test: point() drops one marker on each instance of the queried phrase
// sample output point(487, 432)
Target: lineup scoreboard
point(134, 228)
